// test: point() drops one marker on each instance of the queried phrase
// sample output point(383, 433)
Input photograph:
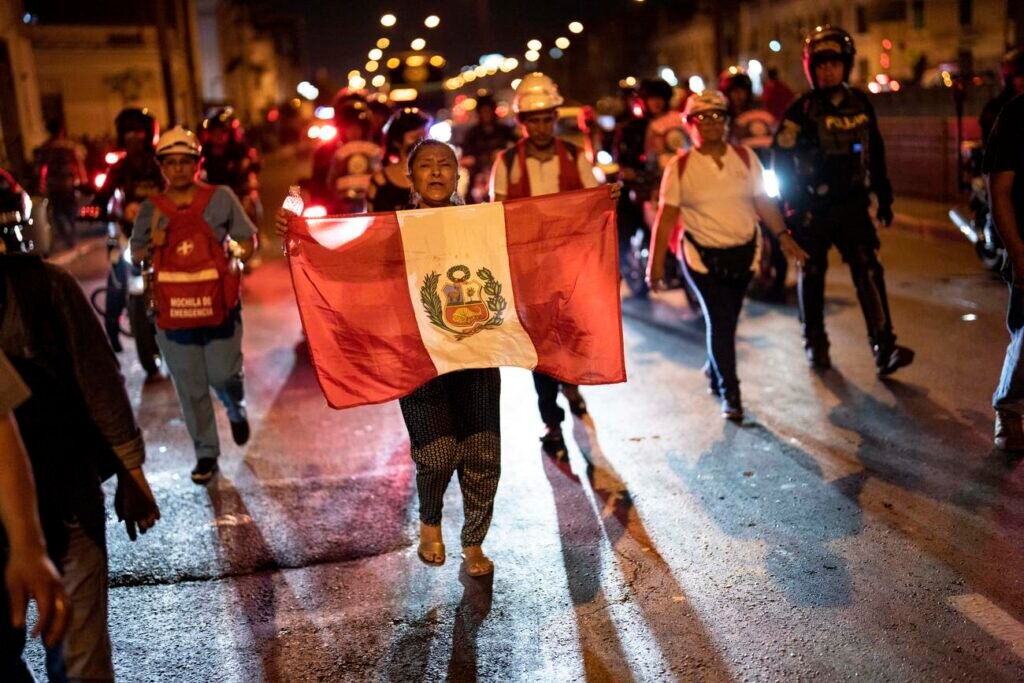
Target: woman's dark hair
point(424, 144)
point(415, 151)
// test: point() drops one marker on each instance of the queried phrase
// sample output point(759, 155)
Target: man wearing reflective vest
point(542, 164)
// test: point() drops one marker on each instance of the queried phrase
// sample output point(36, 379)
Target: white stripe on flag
point(460, 283)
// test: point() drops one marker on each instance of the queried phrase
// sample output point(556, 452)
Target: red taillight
point(314, 212)
point(100, 180)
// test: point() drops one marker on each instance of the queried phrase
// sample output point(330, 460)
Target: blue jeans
point(199, 362)
point(1009, 394)
point(722, 302)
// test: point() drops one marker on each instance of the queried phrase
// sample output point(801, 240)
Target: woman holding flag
point(453, 420)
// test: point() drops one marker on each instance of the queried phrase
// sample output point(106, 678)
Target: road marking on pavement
point(992, 619)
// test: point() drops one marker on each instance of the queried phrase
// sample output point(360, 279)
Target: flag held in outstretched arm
point(389, 301)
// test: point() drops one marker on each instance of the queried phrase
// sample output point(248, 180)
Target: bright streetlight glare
point(418, 44)
point(562, 43)
point(378, 80)
point(371, 66)
point(534, 45)
point(532, 55)
point(433, 21)
point(383, 43)
point(375, 54)
point(576, 27)
point(775, 46)
point(388, 20)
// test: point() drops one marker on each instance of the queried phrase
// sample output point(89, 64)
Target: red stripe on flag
point(563, 252)
point(355, 308)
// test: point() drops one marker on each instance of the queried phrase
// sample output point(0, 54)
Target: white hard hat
point(178, 140)
point(536, 92)
point(709, 100)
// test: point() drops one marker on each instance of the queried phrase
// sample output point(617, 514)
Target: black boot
point(891, 358)
point(553, 444)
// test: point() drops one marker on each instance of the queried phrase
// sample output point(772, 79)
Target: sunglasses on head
point(708, 116)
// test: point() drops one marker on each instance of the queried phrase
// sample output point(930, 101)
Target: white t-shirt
point(716, 205)
point(543, 175)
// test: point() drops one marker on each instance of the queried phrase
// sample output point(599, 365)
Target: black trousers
point(721, 301)
point(850, 229)
point(454, 426)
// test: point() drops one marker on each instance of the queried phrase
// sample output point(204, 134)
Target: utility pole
point(166, 70)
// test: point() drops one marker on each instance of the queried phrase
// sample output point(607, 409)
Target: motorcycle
point(978, 227)
point(16, 216)
point(133, 282)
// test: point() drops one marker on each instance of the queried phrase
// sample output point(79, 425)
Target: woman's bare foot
point(475, 562)
point(431, 548)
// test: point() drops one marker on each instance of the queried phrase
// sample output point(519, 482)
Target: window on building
point(862, 19)
point(966, 12)
point(918, 12)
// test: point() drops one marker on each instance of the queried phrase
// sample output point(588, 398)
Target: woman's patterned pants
point(454, 426)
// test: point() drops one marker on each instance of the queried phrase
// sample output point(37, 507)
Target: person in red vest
point(542, 164)
point(187, 231)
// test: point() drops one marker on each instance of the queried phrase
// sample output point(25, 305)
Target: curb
point(66, 259)
point(926, 227)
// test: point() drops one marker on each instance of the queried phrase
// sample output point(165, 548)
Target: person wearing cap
point(202, 357)
point(541, 164)
point(718, 192)
point(829, 157)
point(390, 188)
point(483, 141)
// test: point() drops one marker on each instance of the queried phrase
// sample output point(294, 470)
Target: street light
point(378, 80)
point(576, 27)
point(418, 44)
point(555, 53)
point(532, 55)
point(374, 54)
point(388, 20)
point(534, 45)
point(562, 43)
point(372, 66)
point(383, 43)
point(433, 21)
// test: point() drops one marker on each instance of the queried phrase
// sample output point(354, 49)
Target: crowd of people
point(187, 204)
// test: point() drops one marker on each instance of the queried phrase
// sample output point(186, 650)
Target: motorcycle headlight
point(26, 206)
point(771, 183)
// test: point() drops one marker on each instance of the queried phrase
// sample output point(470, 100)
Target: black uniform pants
point(850, 229)
point(454, 426)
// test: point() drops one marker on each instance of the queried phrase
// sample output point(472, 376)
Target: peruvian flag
point(391, 300)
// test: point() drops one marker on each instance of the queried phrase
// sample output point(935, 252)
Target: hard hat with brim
point(707, 101)
point(536, 92)
point(178, 140)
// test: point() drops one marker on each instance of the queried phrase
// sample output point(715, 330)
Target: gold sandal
point(476, 563)
point(430, 551)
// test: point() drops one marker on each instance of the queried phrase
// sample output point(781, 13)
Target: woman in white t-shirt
point(718, 192)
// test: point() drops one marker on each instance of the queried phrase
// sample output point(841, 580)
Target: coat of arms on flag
point(469, 306)
point(530, 283)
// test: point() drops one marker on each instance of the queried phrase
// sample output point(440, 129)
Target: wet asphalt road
point(849, 528)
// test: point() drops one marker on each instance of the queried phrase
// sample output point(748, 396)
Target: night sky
point(339, 34)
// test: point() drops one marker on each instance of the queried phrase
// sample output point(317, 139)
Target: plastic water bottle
point(293, 202)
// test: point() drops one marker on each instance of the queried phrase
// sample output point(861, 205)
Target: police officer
point(829, 155)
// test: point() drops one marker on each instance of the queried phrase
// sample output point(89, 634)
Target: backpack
point(193, 285)
point(677, 232)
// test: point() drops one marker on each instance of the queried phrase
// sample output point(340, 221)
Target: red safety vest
point(568, 171)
